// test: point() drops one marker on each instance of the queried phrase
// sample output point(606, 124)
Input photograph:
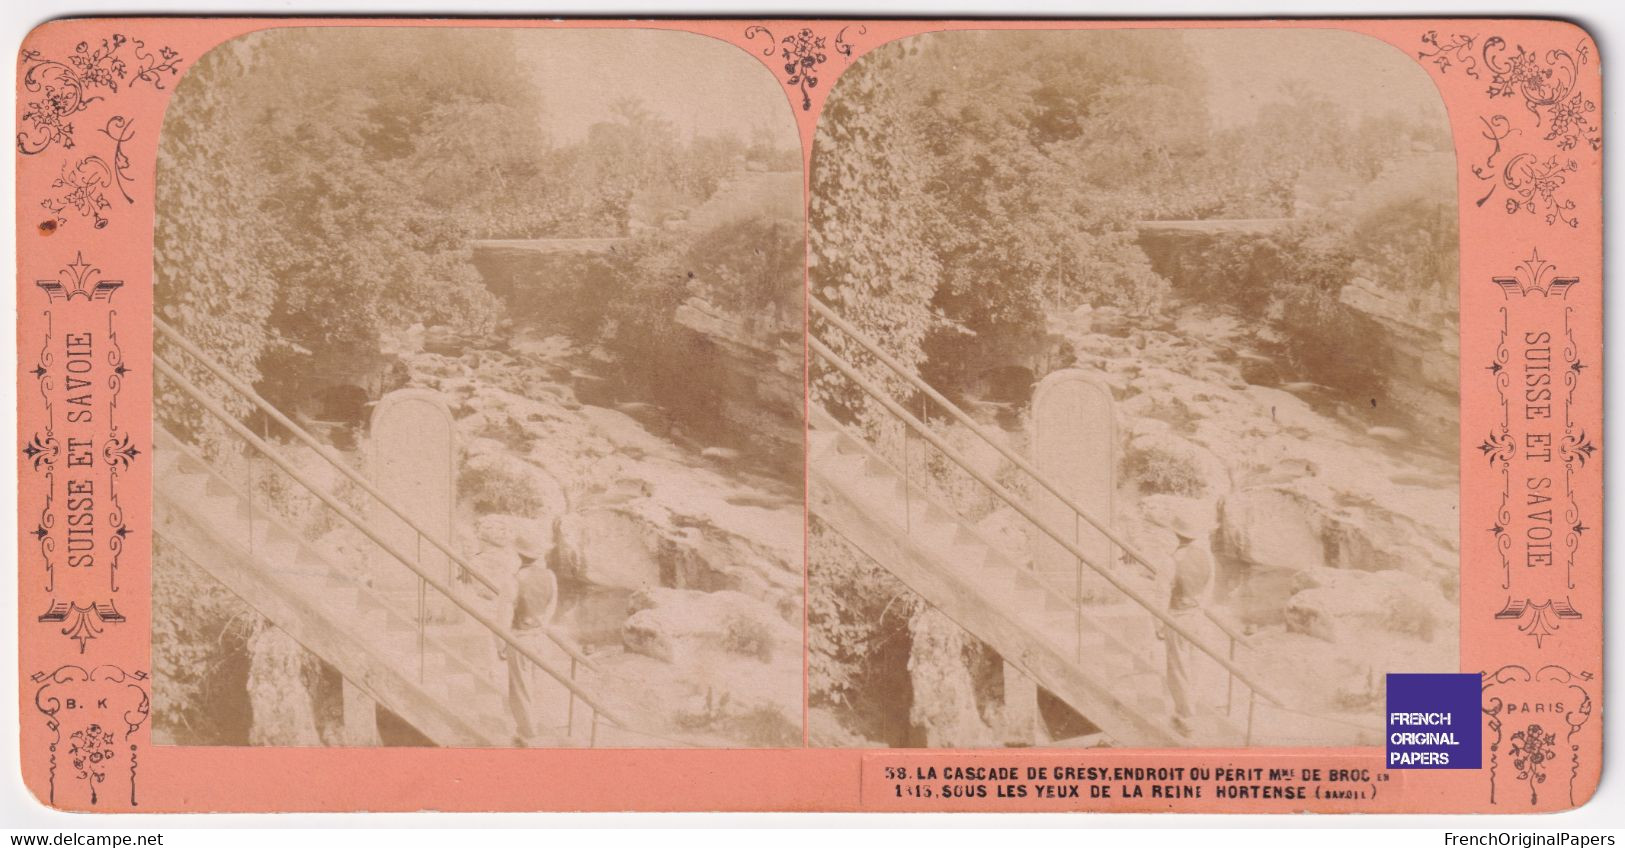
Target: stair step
point(342, 599)
point(844, 466)
point(820, 442)
point(846, 444)
point(874, 466)
point(460, 685)
point(997, 563)
point(1042, 595)
point(189, 487)
point(938, 536)
point(435, 663)
point(163, 463)
point(1112, 645)
point(966, 537)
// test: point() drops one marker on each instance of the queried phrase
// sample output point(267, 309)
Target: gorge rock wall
point(1414, 340)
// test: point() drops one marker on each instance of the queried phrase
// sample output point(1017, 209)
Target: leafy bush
point(1319, 332)
point(763, 726)
point(200, 633)
point(1292, 279)
point(959, 197)
point(748, 636)
point(855, 609)
point(751, 267)
point(1410, 242)
point(300, 212)
point(500, 488)
point(1158, 470)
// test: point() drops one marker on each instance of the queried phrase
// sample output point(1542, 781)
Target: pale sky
point(699, 84)
point(1249, 68)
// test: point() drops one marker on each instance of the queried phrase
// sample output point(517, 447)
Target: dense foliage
point(317, 188)
point(967, 184)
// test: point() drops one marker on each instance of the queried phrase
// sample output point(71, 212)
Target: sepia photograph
point(938, 416)
point(1134, 370)
point(478, 393)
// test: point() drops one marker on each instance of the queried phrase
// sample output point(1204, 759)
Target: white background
point(1605, 19)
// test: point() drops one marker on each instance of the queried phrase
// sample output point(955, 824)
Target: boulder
point(497, 481)
point(606, 547)
point(1357, 545)
point(678, 625)
point(944, 708)
point(539, 387)
point(1167, 463)
point(1272, 527)
point(281, 675)
point(1343, 606)
point(754, 718)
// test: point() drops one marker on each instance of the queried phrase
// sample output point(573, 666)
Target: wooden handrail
point(822, 350)
point(337, 462)
point(969, 423)
point(821, 418)
point(349, 516)
point(828, 314)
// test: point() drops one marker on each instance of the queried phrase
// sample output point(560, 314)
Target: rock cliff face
point(945, 709)
point(1422, 341)
point(1414, 336)
point(281, 685)
point(750, 401)
point(760, 361)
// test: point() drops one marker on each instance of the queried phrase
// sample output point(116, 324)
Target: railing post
point(1252, 702)
point(1077, 598)
point(423, 610)
point(570, 712)
point(252, 485)
point(1156, 610)
point(908, 505)
point(1230, 680)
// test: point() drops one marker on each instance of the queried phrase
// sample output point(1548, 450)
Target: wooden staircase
point(446, 682)
point(1105, 663)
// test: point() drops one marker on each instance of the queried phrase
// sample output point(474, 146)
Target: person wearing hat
point(532, 596)
point(494, 565)
point(496, 560)
point(1193, 571)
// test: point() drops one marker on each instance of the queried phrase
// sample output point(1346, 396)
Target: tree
point(872, 257)
point(320, 187)
point(959, 195)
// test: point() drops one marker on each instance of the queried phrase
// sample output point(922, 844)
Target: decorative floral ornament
point(1548, 84)
point(1456, 50)
point(90, 750)
point(67, 87)
point(1538, 183)
point(802, 52)
point(83, 185)
point(1531, 749)
point(1548, 90)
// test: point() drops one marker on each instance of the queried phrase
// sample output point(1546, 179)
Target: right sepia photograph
point(1134, 390)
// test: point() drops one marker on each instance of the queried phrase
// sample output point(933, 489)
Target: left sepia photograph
point(479, 393)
